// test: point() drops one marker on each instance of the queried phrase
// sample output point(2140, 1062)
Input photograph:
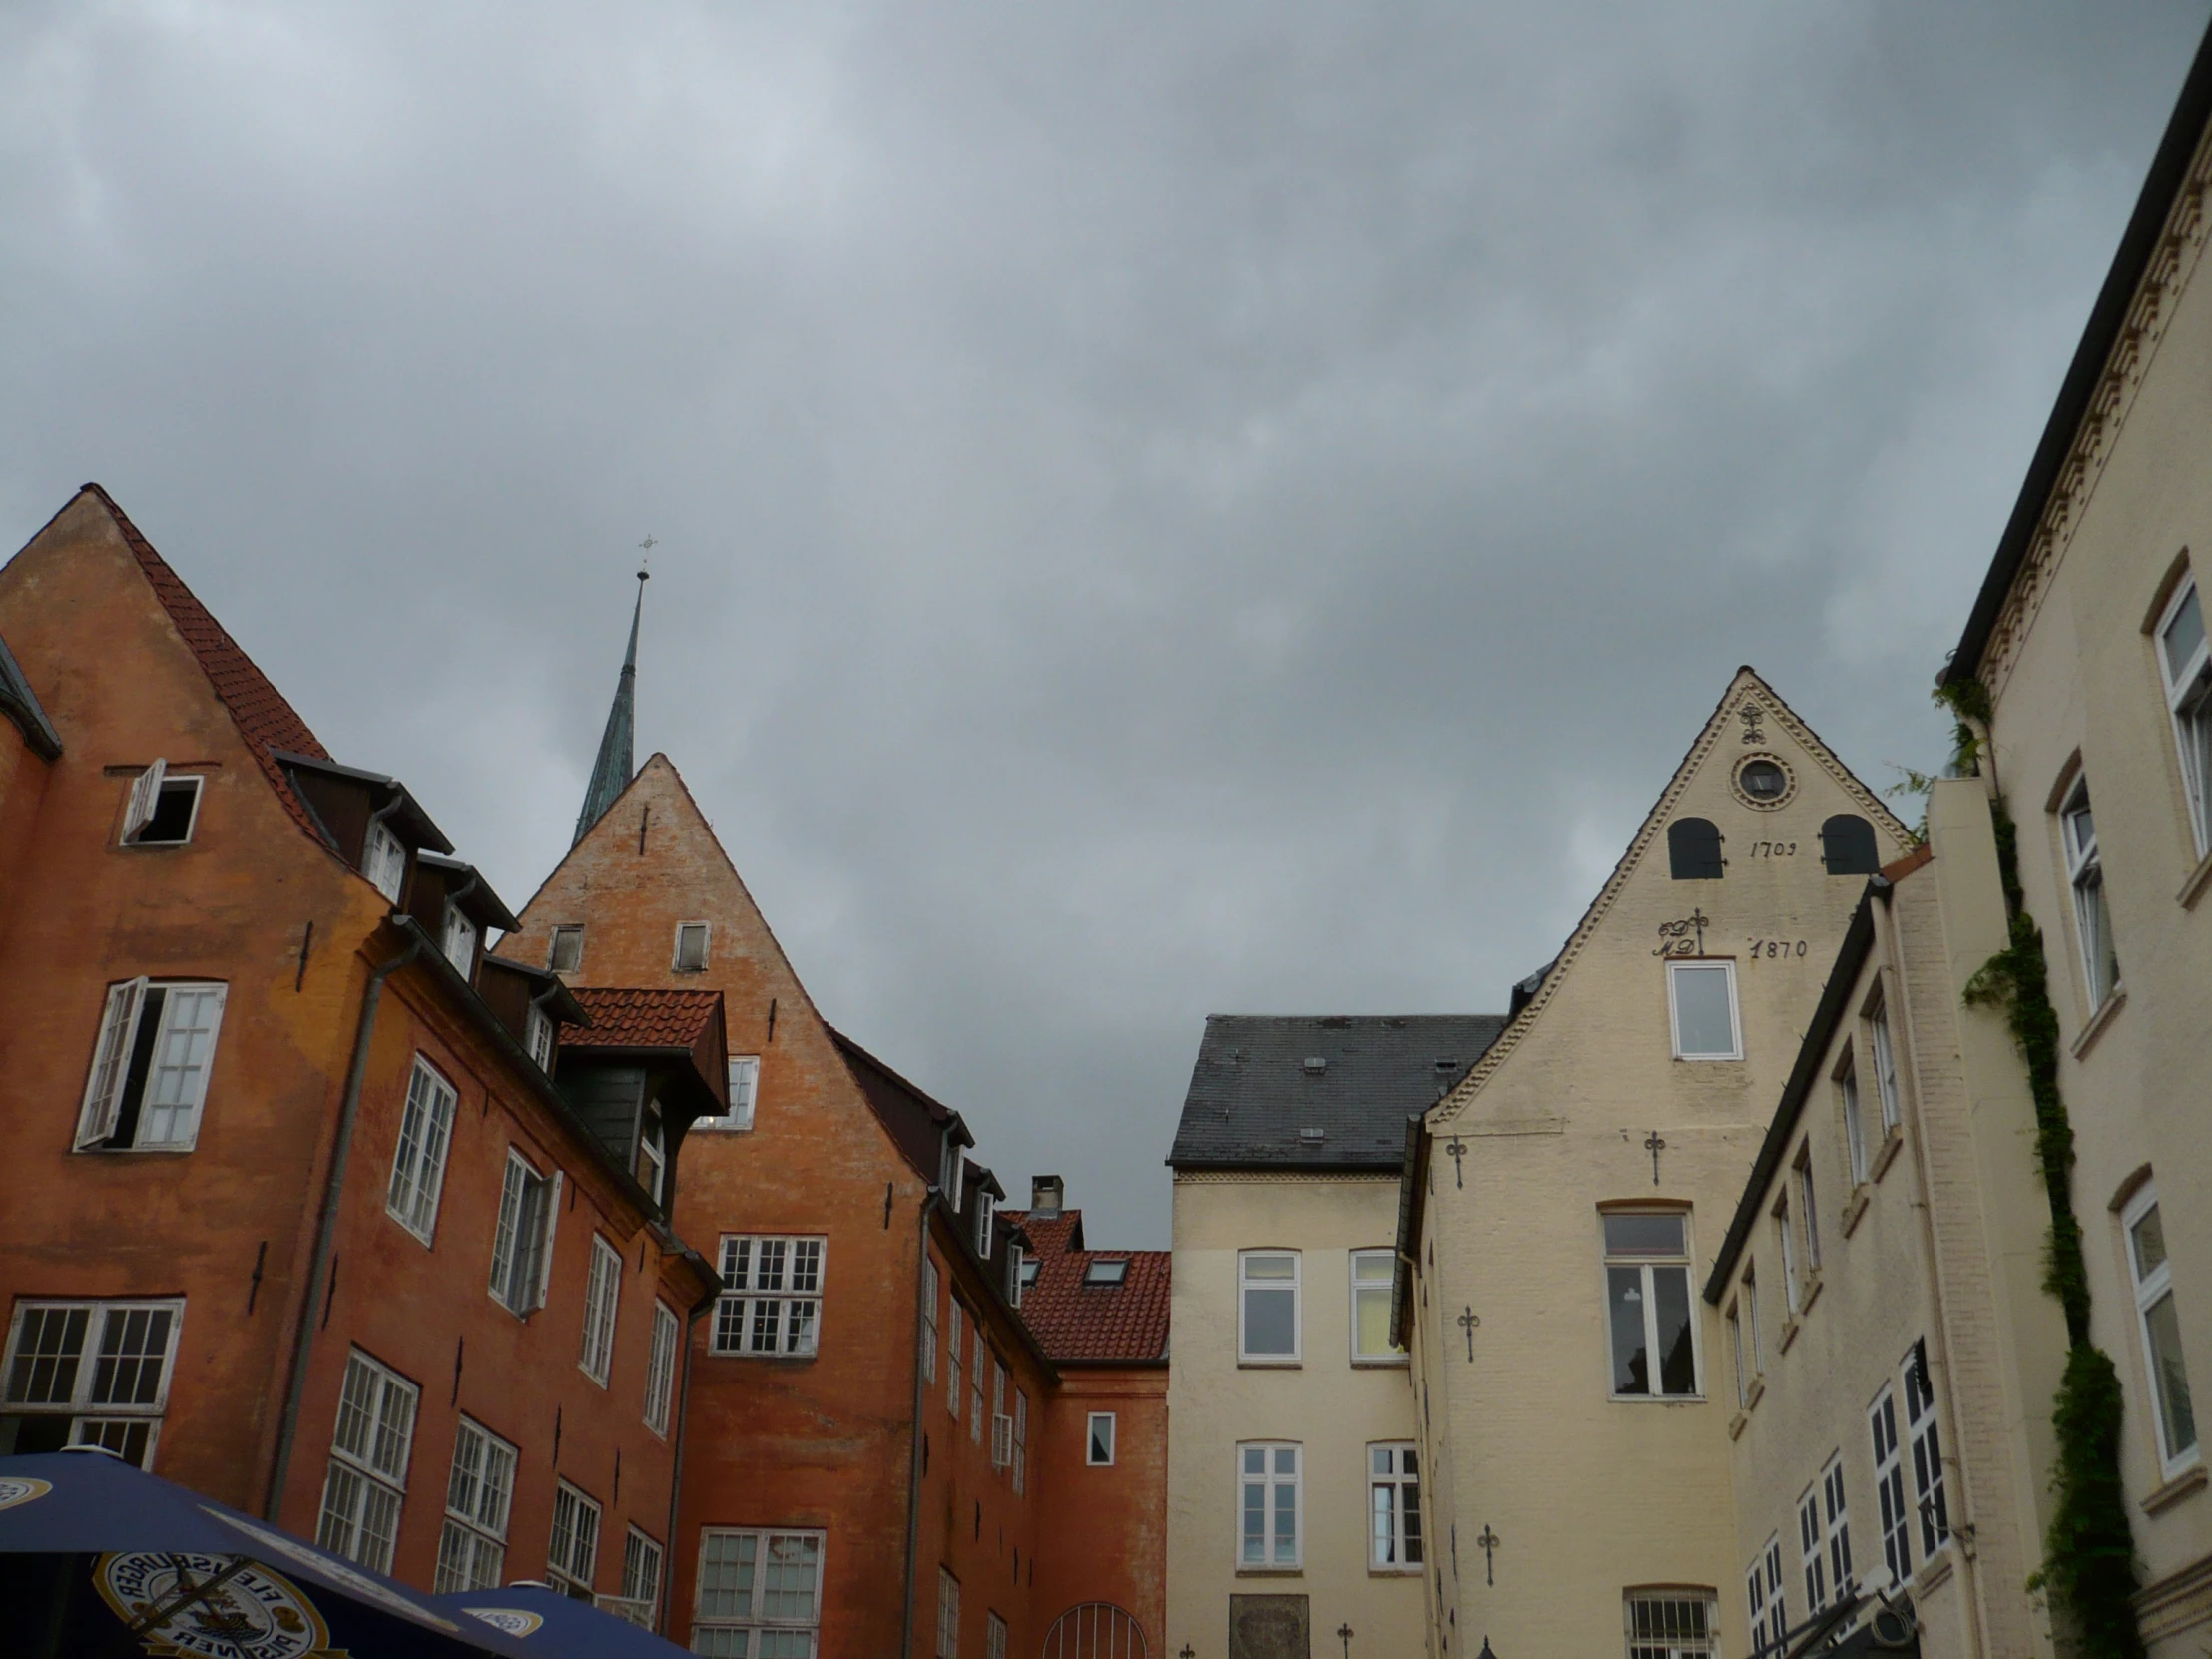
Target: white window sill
point(2114, 1000)
point(1657, 1399)
point(2199, 882)
point(2188, 1481)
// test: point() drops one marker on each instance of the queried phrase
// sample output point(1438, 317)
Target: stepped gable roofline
point(410, 816)
point(1094, 1325)
point(256, 708)
point(1746, 683)
point(2108, 335)
point(1255, 1093)
point(21, 704)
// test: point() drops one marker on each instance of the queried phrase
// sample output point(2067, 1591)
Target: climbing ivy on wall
point(2089, 1551)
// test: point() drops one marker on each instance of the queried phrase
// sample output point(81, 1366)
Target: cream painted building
point(1296, 1500)
point(1570, 1195)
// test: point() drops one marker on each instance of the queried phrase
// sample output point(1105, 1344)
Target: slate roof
point(1252, 1092)
point(639, 1018)
point(1079, 1324)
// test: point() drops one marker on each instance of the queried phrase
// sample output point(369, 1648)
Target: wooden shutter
point(146, 795)
point(111, 1062)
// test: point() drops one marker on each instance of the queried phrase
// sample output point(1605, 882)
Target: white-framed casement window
point(948, 1615)
point(660, 1367)
point(1672, 1624)
point(1751, 1318)
point(573, 1559)
point(1922, 1435)
point(1099, 1452)
point(652, 1170)
point(602, 1296)
point(1836, 1523)
point(1701, 1003)
point(89, 1374)
point(691, 947)
point(459, 942)
point(986, 1206)
point(1394, 1508)
point(2159, 1325)
point(472, 1550)
point(367, 1479)
point(1002, 1421)
point(1021, 1443)
point(1769, 1615)
point(2101, 961)
point(566, 954)
point(1268, 1492)
point(418, 1162)
point(1809, 1215)
point(994, 1637)
point(976, 1351)
point(770, 1301)
point(162, 809)
point(1736, 1351)
point(641, 1581)
point(958, 1321)
point(522, 1241)
point(1016, 1278)
point(537, 1037)
point(1885, 1054)
point(930, 1288)
point(1855, 1129)
point(1647, 1295)
point(1784, 1241)
point(384, 859)
point(1889, 1486)
point(745, 1085)
point(1812, 1552)
point(150, 1065)
point(2186, 667)
point(1371, 1273)
point(1266, 1307)
point(760, 1594)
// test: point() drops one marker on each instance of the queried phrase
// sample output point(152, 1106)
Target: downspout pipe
point(929, 1200)
point(676, 1474)
point(327, 1228)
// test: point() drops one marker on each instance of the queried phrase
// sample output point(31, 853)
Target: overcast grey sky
point(1162, 508)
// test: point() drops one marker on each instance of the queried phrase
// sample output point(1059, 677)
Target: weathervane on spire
point(645, 557)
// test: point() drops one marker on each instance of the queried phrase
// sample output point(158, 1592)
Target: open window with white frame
point(1373, 1273)
point(1785, 1243)
point(1734, 1322)
point(1270, 1502)
point(2158, 1323)
point(1648, 1303)
point(1882, 1048)
point(418, 1160)
point(2185, 667)
point(771, 1303)
point(522, 1238)
point(602, 1296)
point(479, 1493)
point(150, 1062)
point(641, 1581)
point(1395, 1543)
point(1701, 1008)
point(2099, 956)
point(1807, 1213)
point(368, 1478)
point(572, 1559)
point(89, 1374)
point(1670, 1622)
point(1268, 1308)
point(1850, 1107)
point(162, 807)
point(384, 859)
point(660, 1367)
point(759, 1594)
point(745, 1087)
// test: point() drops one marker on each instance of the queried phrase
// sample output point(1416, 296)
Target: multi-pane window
point(150, 1065)
point(384, 861)
point(745, 1084)
point(1647, 1289)
point(1017, 1277)
point(1268, 1479)
point(1928, 1452)
point(691, 947)
point(418, 1163)
point(986, 1206)
point(1809, 1215)
point(1267, 1306)
point(994, 1638)
point(2160, 1325)
point(1836, 1523)
point(573, 1556)
point(760, 1594)
point(1884, 1064)
point(1671, 1624)
point(1002, 1422)
point(1394, 1508)
point(1888, 1487)
point(948, 1615)
point(2186, 667)
point(652, 1167)
point(929, 1288)
point(537, 1037)
point(952, 1361)
point(522, 1240)
point(369, 1463)
point(566, 954)
point(660, 1367)
point(771, 1295)
point(1021, 1442)
point(641, 1581)
point(1812, 1553)
point(602, 1293)
point(460, 943)
point(1099, 1451)
point(89, 1374)
point(976, 1386)
point(1736, 1351)
point(1854, 1131)
point(1371, 1272)
point(1770, 1617)
point(1785, 1240)
point(472, 1550)
point(2100, 963)
point(160, 809)
point(1701, 997)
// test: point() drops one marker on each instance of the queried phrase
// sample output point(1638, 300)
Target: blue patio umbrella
point(101, 1560)
point(553, 1626)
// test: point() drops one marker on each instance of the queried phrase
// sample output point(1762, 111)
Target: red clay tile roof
point(626, 1019)
point(259, 710)
point(1077, 1322)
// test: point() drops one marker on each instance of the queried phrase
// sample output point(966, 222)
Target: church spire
point(610, 774)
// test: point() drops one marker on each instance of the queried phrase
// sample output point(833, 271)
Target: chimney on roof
point(1048, 1193)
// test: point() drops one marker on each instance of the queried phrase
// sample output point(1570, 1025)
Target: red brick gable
point(1073, 1321)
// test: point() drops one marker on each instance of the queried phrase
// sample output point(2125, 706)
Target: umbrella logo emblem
point(513, 1620)
point(253, 1614)
point(16, 1489)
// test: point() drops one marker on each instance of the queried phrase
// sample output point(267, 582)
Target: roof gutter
point(1412, 1188)
point(692, 1318)
point(929, 1201)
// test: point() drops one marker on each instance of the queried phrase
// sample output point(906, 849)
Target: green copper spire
point(610, 774)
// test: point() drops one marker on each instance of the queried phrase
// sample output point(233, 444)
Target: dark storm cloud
point(1163, 509)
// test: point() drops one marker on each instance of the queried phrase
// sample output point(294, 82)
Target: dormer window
point(1030, 1267)
point(162, 809)
point(537, 1033)
point(652, 1167)
point(985, 1207)
point(384, 861)
point(460, 943)
point(1017, 1274)
point(1109, 1272)
point(567, 954)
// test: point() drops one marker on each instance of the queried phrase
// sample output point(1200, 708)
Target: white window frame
point(565, 933)
point(1014, 1279)
point(419, 1158)
point(1271, 1481)
point(384, 859)
point(653, 1153)
point(1735, 1348)
point(1785, 1243)
point(1812, 1549)
point(537, 1037)
point(1662, 1631)
point(367, 1483)
point(660, 1367)
point(458, 939)
point(800, 1277)
point(1246, 1285)
point(513, 1252)
point(956, 1321)
point(948, 1614)
point(1021, 1442)
point(574, 1574)
point(1091, 1443)
point(1809, 1213)
point(2092, 903)
point(479, 1503)
point(1356, 1288)
point(1652, 1263)
point(602, 1303)
point(977, 1351)
point(2188, 688)
point(931, 1289)
point(145, 803)
point(1855, 1128)
point(705, 932)
point(1924, 1438)
point(1394, 1496)
point(107, 1093)
point(1770, 1616)
point(643, 1564)
point(92, 1420)
point(2152, 1289)
point(1882, 1043)
point(1894, 1514)
point(994, 1636)
point(986, 1207)
point(720, 1629)
point(1836, 1520)
point(1704, 964)
point(744, 1088)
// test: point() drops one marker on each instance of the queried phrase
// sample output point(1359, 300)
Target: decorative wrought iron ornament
point(1344, 1635)
point(1676, 937)
point(1458, 1148)
point(1467, 1322)
point(1489, 1542)
point(1654, 1145)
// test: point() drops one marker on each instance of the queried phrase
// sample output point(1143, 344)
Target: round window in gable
point(1761, 781)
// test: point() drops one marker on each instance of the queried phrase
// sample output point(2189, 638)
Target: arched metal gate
point(1095, 1630)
